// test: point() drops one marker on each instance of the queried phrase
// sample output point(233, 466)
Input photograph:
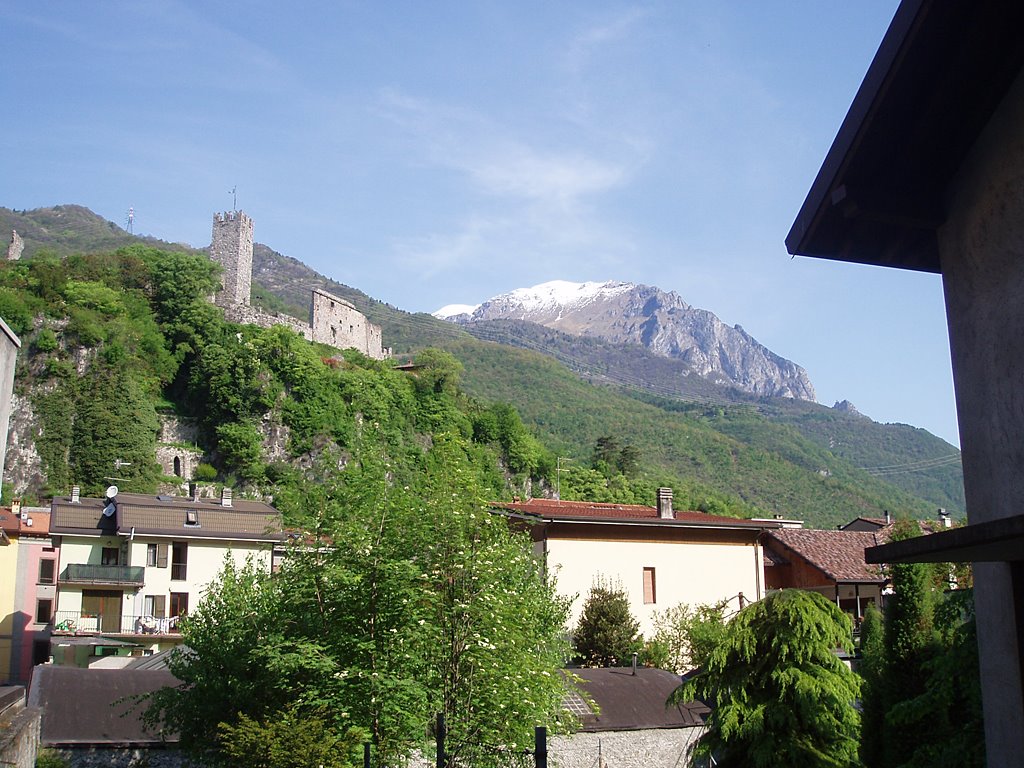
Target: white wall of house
point(684, 572)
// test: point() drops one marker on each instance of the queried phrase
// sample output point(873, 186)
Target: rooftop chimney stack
point(193, 491)
point(944, 518)
point(225, 497)
point(665, 504)
point(888, 517)
point(76, 493)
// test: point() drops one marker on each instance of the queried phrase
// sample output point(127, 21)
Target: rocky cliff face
point(658, 320)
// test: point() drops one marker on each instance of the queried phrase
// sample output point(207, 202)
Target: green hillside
point(720, 448)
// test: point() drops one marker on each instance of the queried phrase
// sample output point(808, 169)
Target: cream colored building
point(129, 570)
point(659, 556)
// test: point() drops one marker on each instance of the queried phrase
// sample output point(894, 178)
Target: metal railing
point(88, 573)
point(77, 622)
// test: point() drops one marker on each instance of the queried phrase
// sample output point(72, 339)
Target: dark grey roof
point(938, 75)
point(166, 516)
point(629, 702)
point(95, 706)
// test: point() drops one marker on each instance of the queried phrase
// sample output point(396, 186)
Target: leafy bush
point(204, 473)
point(46, 340)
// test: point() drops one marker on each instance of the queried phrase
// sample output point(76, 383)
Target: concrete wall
point(685, 572)
point(231, 247)
point(982, 252)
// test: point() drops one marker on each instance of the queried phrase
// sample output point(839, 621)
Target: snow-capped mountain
point(660, 321)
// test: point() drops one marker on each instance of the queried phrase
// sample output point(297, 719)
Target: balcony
point(81, 623)
point(107, 575)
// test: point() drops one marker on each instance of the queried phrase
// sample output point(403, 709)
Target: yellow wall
point(8, 579)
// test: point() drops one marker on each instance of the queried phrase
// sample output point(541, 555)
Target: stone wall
point(19, 734)
point(176, 461)
point(654, 748)
point(339, 324)
point(125, 757)
point(245, 314)
point(231, 247)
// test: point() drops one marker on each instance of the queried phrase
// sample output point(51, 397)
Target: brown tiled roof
point(554, 509)
point(837, 554)
point(629, 702)
point(166, 515)
point(9, 523)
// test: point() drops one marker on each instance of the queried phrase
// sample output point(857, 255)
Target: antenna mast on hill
point(234, 198)
point(131, 220)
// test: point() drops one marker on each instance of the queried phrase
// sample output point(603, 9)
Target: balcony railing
point(178, 571)
point(118, 575)
point(77, 622)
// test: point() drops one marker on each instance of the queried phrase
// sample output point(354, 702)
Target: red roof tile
point(838, 554)
point(555, 508)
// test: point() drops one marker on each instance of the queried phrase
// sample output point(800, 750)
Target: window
point(44, 611)
point(177, 466)
point(151, 555)
point(192, 517)
point(47, 571)
point(179, 560)
point(650, 595)
point(155, 606)
point(110, 556)
point(179, 603)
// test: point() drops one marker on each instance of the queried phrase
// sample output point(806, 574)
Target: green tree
point(779, 694)
point(909, 642)
point(607, 634)
point(289, 739)
point(114, 422)
point(432, 604)
point(873, 672)
point(689, 634)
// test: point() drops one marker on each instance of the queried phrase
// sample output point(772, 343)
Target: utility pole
point(558, 476)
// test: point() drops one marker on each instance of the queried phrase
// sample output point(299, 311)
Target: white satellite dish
point(112, 492)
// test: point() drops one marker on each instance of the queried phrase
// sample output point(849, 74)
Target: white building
point(659, 556)
point(130, 569)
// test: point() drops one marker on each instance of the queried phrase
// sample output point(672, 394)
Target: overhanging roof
point(938, 75)
point(1000, 540)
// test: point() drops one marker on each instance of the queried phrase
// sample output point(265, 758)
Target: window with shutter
point(650, 595)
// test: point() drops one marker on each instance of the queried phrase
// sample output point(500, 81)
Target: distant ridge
point(660, 321)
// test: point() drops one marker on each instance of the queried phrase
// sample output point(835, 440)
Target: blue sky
point(438, 153)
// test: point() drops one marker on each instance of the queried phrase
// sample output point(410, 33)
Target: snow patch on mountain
point(545, 297)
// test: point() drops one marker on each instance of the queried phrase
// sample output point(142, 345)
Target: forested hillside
point(721, 450)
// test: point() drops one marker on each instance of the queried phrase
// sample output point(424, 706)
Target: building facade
point(660, 557)
point(131, 567)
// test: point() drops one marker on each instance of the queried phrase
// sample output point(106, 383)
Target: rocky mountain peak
point(661, 321)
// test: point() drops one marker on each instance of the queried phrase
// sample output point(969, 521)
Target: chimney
point(888, 517)
point(16, 507)
point(225, 497)
point(76, 492)
point(665, 504)
point(193, 491)
point(944, 518)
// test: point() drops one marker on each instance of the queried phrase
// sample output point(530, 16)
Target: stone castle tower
point(231, 247)
point(333, 321)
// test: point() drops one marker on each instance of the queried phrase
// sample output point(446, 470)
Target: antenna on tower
point(131, 220)
point(234, 198)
